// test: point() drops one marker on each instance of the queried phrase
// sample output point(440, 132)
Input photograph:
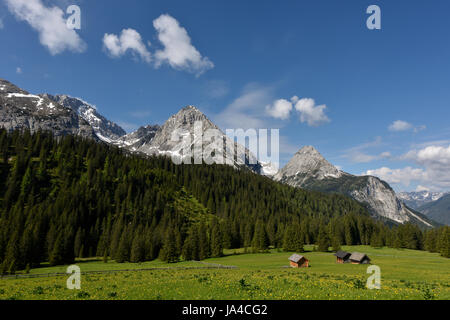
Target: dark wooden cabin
point(359, 258)
point(298, 261)
point(342, 256)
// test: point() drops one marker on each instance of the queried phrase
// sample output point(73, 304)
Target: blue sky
point(386, 91)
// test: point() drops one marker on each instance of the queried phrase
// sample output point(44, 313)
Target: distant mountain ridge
point(438, 210)
point(308, 169)
point(416, 200)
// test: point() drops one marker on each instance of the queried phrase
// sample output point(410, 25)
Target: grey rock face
point(308, 169)
point(105, 130)
point(306, 164)
point(22, 110)
point(183, 124)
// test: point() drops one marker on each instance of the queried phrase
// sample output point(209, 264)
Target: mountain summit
point(183, 123)
point(308, 163)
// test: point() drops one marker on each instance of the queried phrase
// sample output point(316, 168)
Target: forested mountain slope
point(74, 197)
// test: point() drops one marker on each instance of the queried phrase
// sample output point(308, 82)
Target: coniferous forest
point(70, 197)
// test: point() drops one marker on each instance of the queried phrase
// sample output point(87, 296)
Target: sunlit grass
point(405, 274)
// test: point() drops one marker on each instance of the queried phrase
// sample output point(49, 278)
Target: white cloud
point(419, 128)
point(434, 173)
point(178, 51)
point(216, 89)
point(129, 41)
point(385, 155)
point(280, 109)
point(400, 125)
point(310, 113)
point(246, 111)
point(49, 22)
point(402, 176)
point(358, 154)
point(19, 70)
point(420, 188)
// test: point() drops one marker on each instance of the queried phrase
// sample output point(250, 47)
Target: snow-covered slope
point(135, 140)
point(418, 199)
point(105, 130)
point(22, 110)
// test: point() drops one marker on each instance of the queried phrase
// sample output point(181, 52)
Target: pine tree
point(57, 254)
point(216, 241)
point(169, 252)
point(204, 245)
point(260, 239)
point(123, 252)
point(137, 249)
point(323, 241)
point(335, 243)
point(78, 244)
point(444, 242)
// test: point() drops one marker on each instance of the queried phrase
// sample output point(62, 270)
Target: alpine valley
point(308, 169)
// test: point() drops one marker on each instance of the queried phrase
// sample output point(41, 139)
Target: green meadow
point(405, 274)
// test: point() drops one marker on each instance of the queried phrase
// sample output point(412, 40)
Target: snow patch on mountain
point(105, 130)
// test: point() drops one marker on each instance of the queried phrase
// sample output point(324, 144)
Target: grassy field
point(405, 274)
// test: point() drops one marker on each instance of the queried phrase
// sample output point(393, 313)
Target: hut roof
point(342, 254)
point(296, 258)
point(356, 256)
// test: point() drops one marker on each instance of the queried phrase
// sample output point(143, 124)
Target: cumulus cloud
point(401, 125)
point(129, 41)
point(310, 113)
point(434, 171)
point(402, 176)
point(178, 50)
point(280, 109)
point(49, 22)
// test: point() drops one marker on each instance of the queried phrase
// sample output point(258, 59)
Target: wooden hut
point(342, 256)
point(298, 261)
point(359, 258)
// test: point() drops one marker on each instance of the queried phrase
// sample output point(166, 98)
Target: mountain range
point(416, 200)
point(307, 169)
point(438, 210)
point(310, 170)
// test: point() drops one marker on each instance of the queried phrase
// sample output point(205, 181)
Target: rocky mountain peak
point(7, 87)
point(187, 117)
point(308, 163)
